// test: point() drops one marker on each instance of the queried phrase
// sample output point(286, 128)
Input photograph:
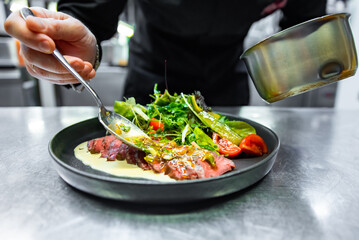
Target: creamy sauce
point(117, 168)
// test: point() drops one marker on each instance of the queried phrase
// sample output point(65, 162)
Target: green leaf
point(209, 157)
point(132, 111)
point(140, 110)
point(241, 128)
point(124, 109)
point(217, 126)
point(164, 99)
point(203, 140)
point(125, 128)
point(185, 132)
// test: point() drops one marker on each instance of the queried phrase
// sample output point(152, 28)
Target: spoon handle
point(65, 63)
point(27, 12)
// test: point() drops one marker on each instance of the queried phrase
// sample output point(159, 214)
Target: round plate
point(74, 172)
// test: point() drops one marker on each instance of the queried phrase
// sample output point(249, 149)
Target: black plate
point(74, 172)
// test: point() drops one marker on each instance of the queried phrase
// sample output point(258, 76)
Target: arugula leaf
point(174, 114)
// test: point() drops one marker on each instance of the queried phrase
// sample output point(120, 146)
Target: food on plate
point(187, 140)
point(117, 168)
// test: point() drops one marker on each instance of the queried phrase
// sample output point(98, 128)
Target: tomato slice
point(225, 146)
point(253, 145)
point(156, 124)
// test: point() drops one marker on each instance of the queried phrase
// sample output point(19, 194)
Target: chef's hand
point(41, 34)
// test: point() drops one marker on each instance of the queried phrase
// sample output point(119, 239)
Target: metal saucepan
point(303, 57)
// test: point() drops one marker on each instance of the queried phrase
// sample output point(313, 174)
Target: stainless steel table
point(312, 191)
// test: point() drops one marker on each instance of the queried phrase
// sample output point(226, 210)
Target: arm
point(100, 16)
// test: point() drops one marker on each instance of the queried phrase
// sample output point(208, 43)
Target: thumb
point(66, 29)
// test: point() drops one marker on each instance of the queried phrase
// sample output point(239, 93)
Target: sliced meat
point(131, 155)
point(187, 163)
point(141, 162)
point(95, 146)
point(223, 165)
point(90, 145)
point(181, 168)
point(157, 167)
point(113, 149)
point(122, 152)
point(173, 171)
point(106, 143)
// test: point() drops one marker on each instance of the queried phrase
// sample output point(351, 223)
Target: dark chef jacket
point(201, 41)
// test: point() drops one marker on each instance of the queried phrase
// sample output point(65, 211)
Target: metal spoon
point(116, 124)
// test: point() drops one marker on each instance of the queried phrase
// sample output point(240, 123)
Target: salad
point(185, 120)
point(187, 140)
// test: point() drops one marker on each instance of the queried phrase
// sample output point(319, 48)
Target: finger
point(59, 79)
point(71, 36)
point(17, 27)
point(44, 13)
point(88, 72)
point(92, 74)
point(68, 29)
point(48, 68)
point(48, 62)
point(87, 69)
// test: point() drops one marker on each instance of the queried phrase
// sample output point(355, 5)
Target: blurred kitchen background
point(17, 88)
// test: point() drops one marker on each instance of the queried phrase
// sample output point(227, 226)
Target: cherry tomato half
point(156, 124)
point(225, 146)
point(253, 145)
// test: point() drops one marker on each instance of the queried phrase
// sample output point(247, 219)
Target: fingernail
point(45, 46)
point(77, 66)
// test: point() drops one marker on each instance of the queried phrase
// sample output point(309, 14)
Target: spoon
point(116, 124)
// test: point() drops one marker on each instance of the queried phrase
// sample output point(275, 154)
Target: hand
point(40, 35)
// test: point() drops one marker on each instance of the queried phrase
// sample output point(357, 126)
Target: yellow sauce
point(117, 168)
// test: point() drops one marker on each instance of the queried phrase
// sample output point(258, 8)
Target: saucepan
point(303, 57)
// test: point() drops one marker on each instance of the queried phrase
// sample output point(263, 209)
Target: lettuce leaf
point(132, 111)
point(241, 128)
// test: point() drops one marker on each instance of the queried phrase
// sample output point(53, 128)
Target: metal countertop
point(312, 191)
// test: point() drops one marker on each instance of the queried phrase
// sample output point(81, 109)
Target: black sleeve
point(297, 11)
point(100, 16)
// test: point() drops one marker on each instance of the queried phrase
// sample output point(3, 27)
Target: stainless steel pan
point(303, 57)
